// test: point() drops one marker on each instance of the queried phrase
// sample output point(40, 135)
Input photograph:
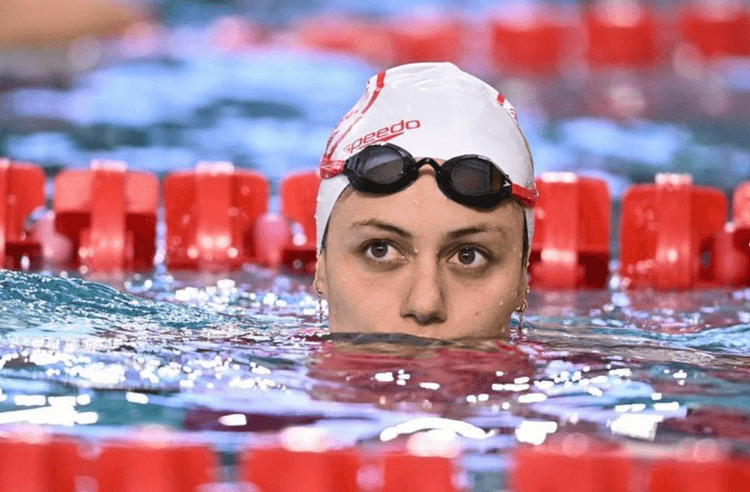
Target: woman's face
point(417, 262)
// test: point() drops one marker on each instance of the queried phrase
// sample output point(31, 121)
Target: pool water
point(227, 358)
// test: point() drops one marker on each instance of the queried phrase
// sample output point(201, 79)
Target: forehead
point(423, 210)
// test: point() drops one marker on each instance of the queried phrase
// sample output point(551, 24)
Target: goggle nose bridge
point(419, 163)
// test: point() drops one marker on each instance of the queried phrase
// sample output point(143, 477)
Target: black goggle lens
point(471, 180)
point(382, 165)
point(474, 177)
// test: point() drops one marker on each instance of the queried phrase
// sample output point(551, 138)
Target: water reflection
point(442, 377)
point(245, 353)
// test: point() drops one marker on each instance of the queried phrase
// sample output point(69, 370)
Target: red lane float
point(210, 214)
point(729, 254)
point(572, 463)
point(283, 470)
point(577, 463)
point(621, 34)
point(730, 249)
point(154, 467)
point(298, 194)
point(426, 39)
point(741, 226)
point(672, 234)
point(717, 29)
point(36, 463)
point(109, 215)
point(286, 469)
point(272, 235)
point(675, 475)
point(739, 474)
point(155, 461)
point(404, 472)
point(21, 191)
point(532, 44)
point(665, 230)
point(741, 206)
point(703, 467)
point(571, 238)
point(352, 36)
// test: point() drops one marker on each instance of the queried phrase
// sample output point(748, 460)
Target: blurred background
point(616, 89)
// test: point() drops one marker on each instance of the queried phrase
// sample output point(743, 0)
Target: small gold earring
point(316, 285)
point(523, 307)
point(524, 302)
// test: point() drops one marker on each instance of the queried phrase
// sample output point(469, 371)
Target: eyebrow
point(468, 231)
point(453, 235)
point(378, 224)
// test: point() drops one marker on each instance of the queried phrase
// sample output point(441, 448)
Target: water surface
point(214, 355)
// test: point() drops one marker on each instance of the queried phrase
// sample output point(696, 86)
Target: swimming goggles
point(471, 180)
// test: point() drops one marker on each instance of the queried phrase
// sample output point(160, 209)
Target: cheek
point(355, 300)
point(495, 307)
point(488, 307)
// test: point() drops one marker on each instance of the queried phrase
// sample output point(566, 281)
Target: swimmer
point(425, 208)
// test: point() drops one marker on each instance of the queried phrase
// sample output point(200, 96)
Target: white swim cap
point(431, 110)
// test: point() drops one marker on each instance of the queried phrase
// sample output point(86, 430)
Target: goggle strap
point(329, 168)
point(524, 195)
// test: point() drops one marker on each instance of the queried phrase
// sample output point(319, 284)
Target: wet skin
point(417, 262)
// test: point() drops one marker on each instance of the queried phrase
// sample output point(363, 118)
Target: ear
point(320, 283)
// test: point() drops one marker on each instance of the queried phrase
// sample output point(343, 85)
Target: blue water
point(273, 110)
point(96, 357)
point(184, 352)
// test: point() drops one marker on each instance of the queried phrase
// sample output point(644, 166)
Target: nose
point(425, 302)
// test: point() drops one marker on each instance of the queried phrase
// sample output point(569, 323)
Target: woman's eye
point(468, 257)
point(381, 250)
